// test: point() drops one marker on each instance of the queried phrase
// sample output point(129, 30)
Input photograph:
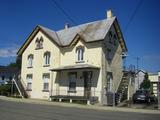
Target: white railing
point(76, 93)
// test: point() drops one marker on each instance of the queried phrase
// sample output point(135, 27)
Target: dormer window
point(47, 56)
point(30, 60)
point(80, 54)
point(39, 43)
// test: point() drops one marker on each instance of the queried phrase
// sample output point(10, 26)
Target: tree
point(146, 84)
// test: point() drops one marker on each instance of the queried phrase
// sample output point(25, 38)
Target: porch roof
point(73, 67)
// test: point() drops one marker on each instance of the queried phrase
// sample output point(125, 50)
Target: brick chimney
point(109, 13)
point(66, 26)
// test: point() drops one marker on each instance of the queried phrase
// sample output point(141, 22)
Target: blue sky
point(19, 17)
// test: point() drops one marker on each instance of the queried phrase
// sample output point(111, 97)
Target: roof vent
point(66, 26)
point(109, 13)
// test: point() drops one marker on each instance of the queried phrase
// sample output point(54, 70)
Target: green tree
point(146, 84)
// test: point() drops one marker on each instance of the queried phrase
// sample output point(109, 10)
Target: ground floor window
point(29, 81)
point(72, 81)
point(109, 79)
point(29, 86)
point(46, 78)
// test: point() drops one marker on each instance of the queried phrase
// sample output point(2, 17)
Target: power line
point(64, 12)
point(68, 16)
point(133, 15)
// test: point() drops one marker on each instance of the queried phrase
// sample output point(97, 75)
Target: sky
point(139, 21)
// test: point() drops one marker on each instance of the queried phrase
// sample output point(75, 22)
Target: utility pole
point(137, 59)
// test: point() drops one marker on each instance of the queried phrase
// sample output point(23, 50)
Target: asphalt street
point(26, 111)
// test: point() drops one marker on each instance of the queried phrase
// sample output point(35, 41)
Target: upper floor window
point(109, 54)
point(110, 35)
point(80, 54)
point(30, 60)
point(39, 43)
point(47, 56)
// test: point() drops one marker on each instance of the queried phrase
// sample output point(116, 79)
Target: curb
point(89, 107)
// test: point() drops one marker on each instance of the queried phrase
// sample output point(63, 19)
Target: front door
point(87, 83)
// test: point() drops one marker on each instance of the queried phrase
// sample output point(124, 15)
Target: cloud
point(8, 52)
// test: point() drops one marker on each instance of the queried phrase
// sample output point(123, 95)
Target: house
point(154, 78)
point(139, 77)
point(7, 73)
point(82, 61)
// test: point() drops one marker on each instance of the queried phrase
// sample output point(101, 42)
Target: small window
point(46, 78)
point(39, 43)
point(80, 54)
point(109, 55)
point(30, 60)
point(29, 81)
point(110, 37)
point(47, 58)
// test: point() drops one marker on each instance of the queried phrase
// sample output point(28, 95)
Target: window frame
point(46, 78)
point(29, 79)
point(109, 79)
point(30, 61)
point(47, 57)
point(80, 54)
point(39, 43)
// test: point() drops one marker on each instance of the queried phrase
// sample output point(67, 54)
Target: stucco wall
point(59, 57)
point(38, 64)
point(114, 65)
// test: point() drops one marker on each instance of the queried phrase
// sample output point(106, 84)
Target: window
point(46, 78)
point(29, 82)
point(72, 82)
point(109, 79)
point(109, 55)
point(39, 43)
point(47, 58)
point(30, 60)
point(80, 54)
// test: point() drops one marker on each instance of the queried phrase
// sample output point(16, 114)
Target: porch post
point(51, 92)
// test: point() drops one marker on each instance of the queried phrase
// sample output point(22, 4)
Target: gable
point(32, 37)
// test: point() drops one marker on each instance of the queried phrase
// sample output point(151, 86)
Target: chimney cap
point(109, 13)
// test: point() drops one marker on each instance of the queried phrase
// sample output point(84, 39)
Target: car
point(144, 96)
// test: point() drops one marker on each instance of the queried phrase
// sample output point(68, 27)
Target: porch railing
point(81, 93)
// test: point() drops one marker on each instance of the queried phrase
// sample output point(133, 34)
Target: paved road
point(26, 111)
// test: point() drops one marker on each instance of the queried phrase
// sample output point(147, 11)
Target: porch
point(76, 83)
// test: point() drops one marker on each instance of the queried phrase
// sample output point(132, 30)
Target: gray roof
point(92, 31)
point(77, 66)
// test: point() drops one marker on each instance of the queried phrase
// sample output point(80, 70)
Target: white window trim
point(30, 60)
point(80, 55)
point(46, 78)
point(47, 57)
